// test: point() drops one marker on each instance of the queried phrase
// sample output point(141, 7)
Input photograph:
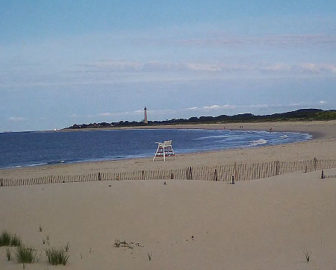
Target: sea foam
point(258, 142)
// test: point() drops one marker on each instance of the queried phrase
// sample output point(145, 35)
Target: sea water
point(23, 149)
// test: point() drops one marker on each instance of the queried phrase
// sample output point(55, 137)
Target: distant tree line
point(298, 115)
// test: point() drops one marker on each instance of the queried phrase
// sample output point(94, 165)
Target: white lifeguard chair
point(164, 149)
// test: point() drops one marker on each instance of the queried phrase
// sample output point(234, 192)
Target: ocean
point(22, 149)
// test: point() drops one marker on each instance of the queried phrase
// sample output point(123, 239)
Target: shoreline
point(313, 136)
point(323, 135)
point(265, 126)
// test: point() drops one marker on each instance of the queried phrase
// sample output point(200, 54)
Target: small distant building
point(145, 116)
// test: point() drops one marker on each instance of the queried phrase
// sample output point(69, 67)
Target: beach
point(323, 146)
point(270, 223)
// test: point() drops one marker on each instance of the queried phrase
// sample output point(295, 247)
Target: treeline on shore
point(298, 115)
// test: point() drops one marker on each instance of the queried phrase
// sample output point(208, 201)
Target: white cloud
point(203, 67)
point(208, 108)
point(223, 40)
point(16, 118)
point(322, 102)
point(112, 72)
point(318, 68)
point(212, 107)
point(105, 114)
point(211, 67)
point(192, 108)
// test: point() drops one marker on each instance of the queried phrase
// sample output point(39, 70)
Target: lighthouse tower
point(145, 116)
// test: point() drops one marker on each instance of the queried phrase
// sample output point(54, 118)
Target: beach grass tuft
point(307, 255)
point(26, 255)
point(67, 247)
point(5, 239)
point(15, 241)
point(149, 255)
point(57, 256)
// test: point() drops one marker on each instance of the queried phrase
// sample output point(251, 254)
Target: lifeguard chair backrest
point(167, 143)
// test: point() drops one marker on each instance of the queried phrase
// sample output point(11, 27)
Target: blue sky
point(64, 62)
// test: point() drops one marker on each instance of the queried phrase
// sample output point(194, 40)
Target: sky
point(64, 62)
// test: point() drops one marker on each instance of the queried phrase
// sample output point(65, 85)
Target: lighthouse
point(145, 116)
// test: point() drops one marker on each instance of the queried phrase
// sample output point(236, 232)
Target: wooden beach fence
point(226, 172)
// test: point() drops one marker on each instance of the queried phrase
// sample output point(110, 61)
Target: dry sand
point(260, 224)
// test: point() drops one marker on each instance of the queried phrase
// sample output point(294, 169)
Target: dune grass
point(57, 256)
point(149, 255)
point(67, 247)
point(6, 239)
point(26, 255)
point(15, 241)
point(307, 254)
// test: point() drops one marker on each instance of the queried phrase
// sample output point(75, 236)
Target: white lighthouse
point(145, 116)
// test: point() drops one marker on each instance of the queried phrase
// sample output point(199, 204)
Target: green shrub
point(5, 239)
point(15, 241)
point(25, 255)
point(57, 256)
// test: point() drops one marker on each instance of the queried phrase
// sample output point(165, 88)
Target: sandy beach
point(271, 223)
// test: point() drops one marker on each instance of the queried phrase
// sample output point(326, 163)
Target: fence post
point(215, 175)
point(235, 170)
point(322, 175)
point(277, 167)
point(172, 176)
point(189, 173)
point(99, 177)
point(315, 163)
point(232, 179)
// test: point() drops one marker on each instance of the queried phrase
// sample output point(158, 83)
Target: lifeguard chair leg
point(157, 150)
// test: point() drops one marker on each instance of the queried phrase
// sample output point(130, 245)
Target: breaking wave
point(258, 142)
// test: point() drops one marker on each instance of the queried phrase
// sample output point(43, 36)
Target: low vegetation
point(298, 115)
point(307, 255)
point(57, 256)
point(15, 241)
point(6, 239)
point(26, 255)
point(149, 255)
